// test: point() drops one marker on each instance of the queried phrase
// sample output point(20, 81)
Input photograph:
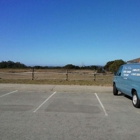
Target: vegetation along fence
point(60, 74)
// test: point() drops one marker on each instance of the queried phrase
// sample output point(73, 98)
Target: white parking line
point(8, 93)
point(45, 101)
point(101, 104)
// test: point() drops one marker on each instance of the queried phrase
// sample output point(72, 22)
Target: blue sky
point(61, 32)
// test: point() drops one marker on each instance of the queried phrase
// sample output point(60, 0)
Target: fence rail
point(61, 74)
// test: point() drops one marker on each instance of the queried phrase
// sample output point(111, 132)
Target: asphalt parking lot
point(49, 112)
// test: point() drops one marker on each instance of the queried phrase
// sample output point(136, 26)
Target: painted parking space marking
point(8, 93)
point(101, 104)
point(44, 102)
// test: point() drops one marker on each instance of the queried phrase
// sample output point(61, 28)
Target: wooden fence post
point(33, 74)
point(94, 75)
point(66, 75)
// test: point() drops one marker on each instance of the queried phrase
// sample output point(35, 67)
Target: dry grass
point(54, 76)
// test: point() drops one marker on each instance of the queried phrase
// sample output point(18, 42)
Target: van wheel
point(135, 100)
point(115, 91)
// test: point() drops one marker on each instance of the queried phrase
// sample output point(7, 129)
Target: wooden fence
point(39, 74)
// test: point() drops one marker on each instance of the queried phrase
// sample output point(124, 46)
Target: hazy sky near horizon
point(60, 32)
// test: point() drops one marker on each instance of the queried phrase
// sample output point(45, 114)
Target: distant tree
point(94, 67)
point(57, 67)
point(70, 66)
point(38, 67)
point(77, 67)
point(99, 70)
point(19, 65)
point(46, 67)
point(106, 67)
point(115, 65)
point(11, 64)
point(3, 64)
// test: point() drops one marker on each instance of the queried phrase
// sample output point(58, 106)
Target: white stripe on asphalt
point(8, 93)
point(101, 105)
point(45, 101)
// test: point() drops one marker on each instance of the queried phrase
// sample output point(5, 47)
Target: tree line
point(111, 66)
point(11, 64)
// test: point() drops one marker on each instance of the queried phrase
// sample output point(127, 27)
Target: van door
point(120, 80)
point(127, 82)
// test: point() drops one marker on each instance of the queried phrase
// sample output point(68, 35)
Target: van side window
point(119, 71)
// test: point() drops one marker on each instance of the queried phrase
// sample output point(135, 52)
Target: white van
point(127, 81)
